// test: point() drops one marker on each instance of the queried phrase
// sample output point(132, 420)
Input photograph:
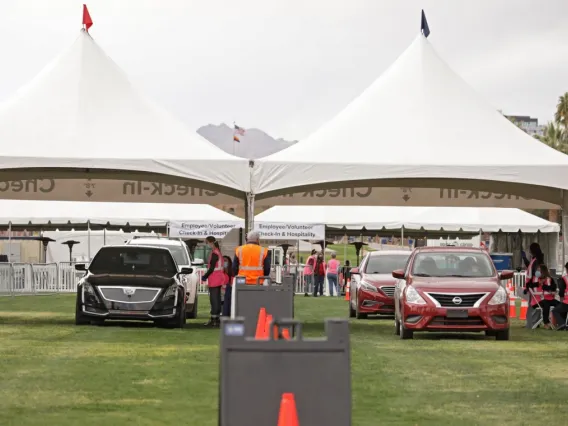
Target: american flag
point(239, 131)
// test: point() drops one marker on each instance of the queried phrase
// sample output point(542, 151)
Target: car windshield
point(386, 263)
point(178, 252)
point(452, 264)
point(133, 260)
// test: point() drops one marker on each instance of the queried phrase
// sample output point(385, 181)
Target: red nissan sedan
point(372, 284)
point(451, 289)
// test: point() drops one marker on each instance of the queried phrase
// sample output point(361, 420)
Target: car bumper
point(375, 303)
point(128, 314)
point(430, 318)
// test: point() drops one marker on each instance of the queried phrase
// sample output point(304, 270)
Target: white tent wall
point(436, 159)
point(53, 213)
point(58, 252)
point(80, 131)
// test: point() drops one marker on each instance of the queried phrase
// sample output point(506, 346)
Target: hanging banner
point(290, 231)
point(201, 229)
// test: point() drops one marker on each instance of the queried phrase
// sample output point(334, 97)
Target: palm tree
point(555, 137)
point(561, 115)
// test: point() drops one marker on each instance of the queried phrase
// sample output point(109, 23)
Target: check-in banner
point(197, 229)
point(290, 231)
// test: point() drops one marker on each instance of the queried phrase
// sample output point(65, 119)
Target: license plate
point(457, 313)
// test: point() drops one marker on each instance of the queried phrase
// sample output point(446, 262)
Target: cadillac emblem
point(129, 291)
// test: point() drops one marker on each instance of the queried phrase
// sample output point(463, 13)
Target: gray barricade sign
point(254, 374)
point(277, 299)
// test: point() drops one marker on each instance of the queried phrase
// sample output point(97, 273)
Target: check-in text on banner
point(202, 230)
point(290, 231)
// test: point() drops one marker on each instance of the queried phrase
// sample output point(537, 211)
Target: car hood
point(455, 284)
point(121, 280)
point(379, 280)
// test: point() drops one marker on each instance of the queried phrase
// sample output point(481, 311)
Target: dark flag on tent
point(239, 131)
point(424, 25)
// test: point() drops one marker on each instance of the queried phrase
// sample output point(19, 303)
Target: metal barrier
point(28, 278)
point(277, 299)
point(254, 375)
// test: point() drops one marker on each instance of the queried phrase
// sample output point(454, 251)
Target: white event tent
point(466, 219)
point(418, 136)
point(59, 214)
point(80, 131)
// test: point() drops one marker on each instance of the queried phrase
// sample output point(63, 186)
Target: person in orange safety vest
point(252, 260)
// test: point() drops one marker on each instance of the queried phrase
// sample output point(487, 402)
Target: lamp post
point(70, 244)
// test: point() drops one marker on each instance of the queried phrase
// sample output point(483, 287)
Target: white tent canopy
point(37, 213)
point(467, 219)
point(418, 136)
point(81, 118)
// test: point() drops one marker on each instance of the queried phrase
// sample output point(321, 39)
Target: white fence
point(46, 278)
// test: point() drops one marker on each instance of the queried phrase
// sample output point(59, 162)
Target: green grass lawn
point(54, 373)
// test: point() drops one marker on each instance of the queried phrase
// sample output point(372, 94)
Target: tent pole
point(89, 240)
point(402, 236)
point(10, 242)
point(104, 236)
point(247, 220)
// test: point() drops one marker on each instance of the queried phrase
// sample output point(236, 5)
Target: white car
point(183, 259)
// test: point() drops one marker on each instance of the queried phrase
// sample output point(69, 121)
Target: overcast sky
point(288, 66)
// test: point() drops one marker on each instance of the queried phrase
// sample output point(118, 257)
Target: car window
point(133, 260)
point(385, 263)
point(452, 264)
point(178, 252)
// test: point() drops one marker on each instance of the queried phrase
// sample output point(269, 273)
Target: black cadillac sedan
point(131, 283)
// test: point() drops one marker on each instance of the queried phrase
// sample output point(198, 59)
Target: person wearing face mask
point(228, 271)
point(536, 297)
point(561, 310)
point(215, 278)
point(548, 287)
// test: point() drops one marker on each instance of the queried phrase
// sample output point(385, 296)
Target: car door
point(400, 285)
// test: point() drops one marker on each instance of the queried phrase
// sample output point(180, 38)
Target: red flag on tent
point(87, 21)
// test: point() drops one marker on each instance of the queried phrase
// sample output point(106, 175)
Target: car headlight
point(369, 287)
point(499, 297)
point(413, 297)
point(171, 291)
point(88, 289)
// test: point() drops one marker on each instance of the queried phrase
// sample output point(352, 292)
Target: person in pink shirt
point(332, 274)
point(309, 273)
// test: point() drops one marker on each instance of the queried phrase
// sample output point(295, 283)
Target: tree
point(555, 137)
point(561, 116)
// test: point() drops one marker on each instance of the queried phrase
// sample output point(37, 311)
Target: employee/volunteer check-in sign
point(198, 229)
point(290, 231)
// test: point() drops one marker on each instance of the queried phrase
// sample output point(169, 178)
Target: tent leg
point(250, 208)
point(564, 225)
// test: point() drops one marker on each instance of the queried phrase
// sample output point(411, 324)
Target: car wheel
point(80, 318)
point(179, 320)
point(358, 314)
point(193, 313)
point(396, 326)
point(502, 335)
point(352, 312)
point(404, 333)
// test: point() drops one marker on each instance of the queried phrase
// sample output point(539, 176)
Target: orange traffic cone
point(512, 307)
point(285, 334)
point(288, 415)
point(524, 309)
point(267, 328)
point(261, 324)
point(347, 288)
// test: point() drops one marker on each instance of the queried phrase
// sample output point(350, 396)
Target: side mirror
point(80, 267)
point(398, 274)
point(355, 271)
point(197, 262)
point(506, 275)
point(186, 271)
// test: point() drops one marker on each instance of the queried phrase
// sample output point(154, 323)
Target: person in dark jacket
point(548, 287)
point(561, 310)
point(228, 270)
point(319, 275)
